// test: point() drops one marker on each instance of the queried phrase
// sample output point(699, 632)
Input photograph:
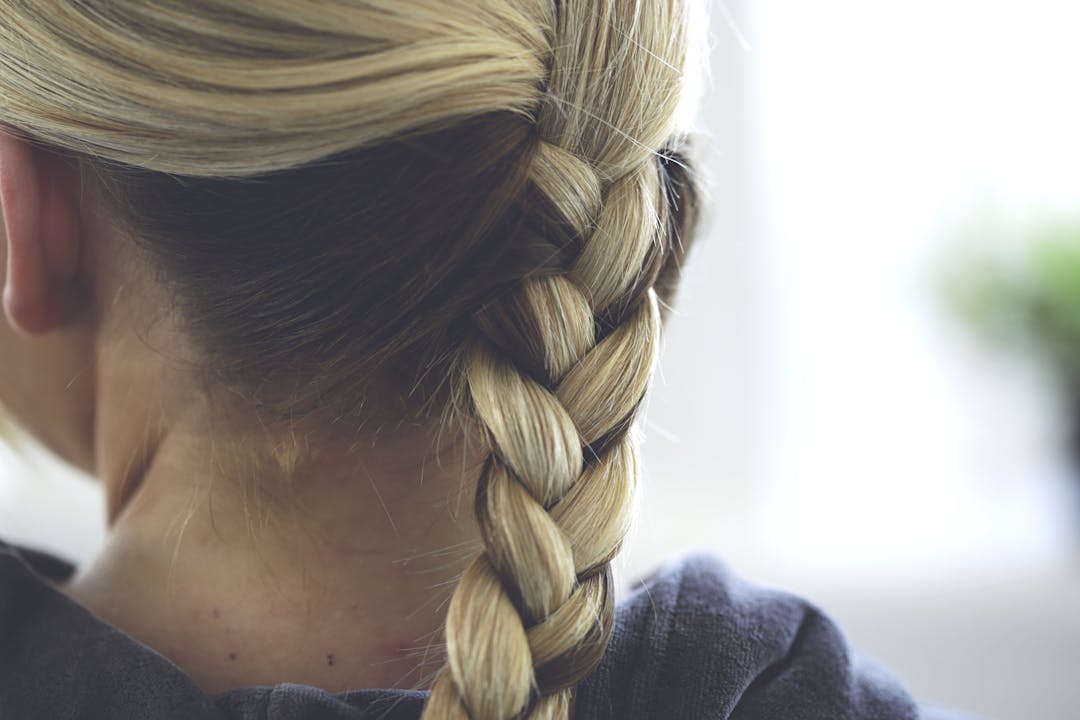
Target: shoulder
point(57, 660)
point(696, 641)
point(44, 564)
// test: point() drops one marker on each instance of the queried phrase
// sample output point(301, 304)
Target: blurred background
point(870, 391)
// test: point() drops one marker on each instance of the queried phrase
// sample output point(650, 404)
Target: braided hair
point(481, 204)
point(557, 373)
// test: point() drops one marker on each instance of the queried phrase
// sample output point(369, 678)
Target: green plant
point(1024, 295)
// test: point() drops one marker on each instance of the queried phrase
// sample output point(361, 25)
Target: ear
point(41, 218)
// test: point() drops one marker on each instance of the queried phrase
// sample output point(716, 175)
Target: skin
point(329, 565)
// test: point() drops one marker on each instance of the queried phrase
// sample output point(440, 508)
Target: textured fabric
point(692, 641)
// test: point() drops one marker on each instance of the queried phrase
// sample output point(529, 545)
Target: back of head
point(400, 209)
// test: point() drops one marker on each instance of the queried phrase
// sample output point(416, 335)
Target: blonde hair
point(557, 117)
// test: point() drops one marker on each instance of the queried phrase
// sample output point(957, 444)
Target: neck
point(334, 574)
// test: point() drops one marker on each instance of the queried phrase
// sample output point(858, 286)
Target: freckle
point(232, 656)
point(330, 660)
point(217, 614)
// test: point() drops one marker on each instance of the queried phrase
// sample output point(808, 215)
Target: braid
point(558, 368)
point(533, 136)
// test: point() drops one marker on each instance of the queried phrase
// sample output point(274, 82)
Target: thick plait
point(559, 364)
point(340, 189)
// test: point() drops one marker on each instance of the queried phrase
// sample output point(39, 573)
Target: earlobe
point(40, 222)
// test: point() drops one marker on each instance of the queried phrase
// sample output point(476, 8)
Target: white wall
point(821, 424)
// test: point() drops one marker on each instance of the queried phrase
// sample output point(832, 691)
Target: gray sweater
point(692, 641)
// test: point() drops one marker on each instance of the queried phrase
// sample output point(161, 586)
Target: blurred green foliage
point(1025, 297)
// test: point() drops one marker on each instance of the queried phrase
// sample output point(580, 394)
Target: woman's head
point(373, 212)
